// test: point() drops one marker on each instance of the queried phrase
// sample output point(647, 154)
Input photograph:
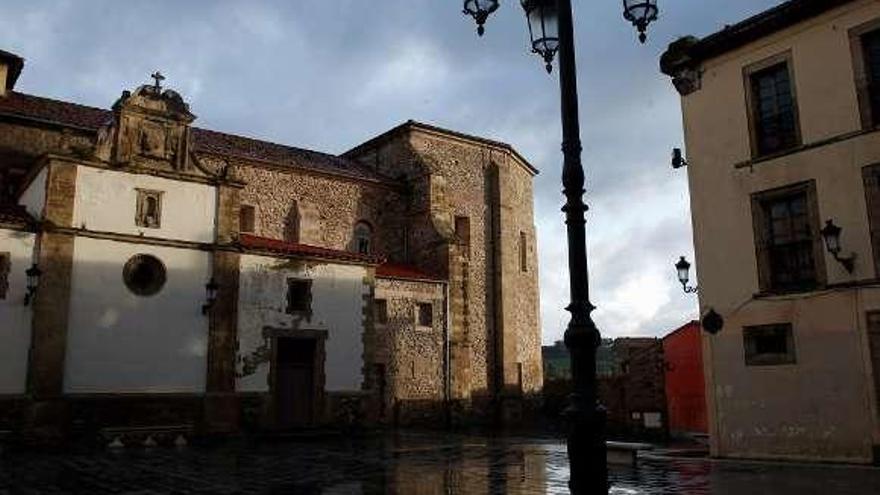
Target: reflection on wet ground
point(404, 464)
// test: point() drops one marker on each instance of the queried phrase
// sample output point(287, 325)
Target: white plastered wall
point(15, 317)
point(337, 307)
point(34, 196)
point(106, 201)
point(823, 407)
point(120, 342)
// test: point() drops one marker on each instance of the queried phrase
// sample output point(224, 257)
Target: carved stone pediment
point(150, 129)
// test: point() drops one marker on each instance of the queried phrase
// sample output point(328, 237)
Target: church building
point(155, 275)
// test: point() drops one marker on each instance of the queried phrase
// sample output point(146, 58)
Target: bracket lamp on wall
point(683, 269)
point(33, 282)
point(211, 289)
point(678, 160)
point(831, 235)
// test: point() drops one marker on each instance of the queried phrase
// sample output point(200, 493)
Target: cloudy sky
point(329, 75)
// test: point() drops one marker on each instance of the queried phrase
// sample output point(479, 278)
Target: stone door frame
point(319, 337)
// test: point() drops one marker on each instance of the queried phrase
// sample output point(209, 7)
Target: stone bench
point(624, 453)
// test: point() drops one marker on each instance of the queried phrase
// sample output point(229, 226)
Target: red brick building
point(685, 387)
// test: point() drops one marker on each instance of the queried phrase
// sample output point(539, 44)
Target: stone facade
point(407, 360)
point(485, 188)
point(437, 224)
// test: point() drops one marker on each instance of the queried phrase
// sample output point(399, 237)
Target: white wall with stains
point(34, 196)
point(15, 317)
point(337, 307)
point(106, 201)
point(121, 342)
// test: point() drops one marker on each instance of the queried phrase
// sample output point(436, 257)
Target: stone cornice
point(683, 58)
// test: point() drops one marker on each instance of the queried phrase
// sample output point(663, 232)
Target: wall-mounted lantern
point(480, 10)
point(683, 268)
point(712, 322)
point(678, 160)
point(211, 289)
point(640, 13)
point(33, 281)
point(831, 235)
point(543, 19)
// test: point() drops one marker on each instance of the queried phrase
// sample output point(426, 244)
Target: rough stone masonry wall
point(325, 208)
point(413, 356)
point(522, 286)
point(456, 176)
point(21, 145)
point(465, 166)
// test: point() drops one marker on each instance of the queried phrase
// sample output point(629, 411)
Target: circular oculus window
point(144, 275)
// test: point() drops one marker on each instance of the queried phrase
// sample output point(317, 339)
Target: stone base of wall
point(347, 410)
point(136, 419)
point(420, 413)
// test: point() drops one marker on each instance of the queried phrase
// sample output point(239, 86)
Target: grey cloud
point(328, 75)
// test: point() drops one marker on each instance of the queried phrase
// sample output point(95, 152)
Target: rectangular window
point(871, 179)
point(865, 46)
point(381, 311)
point(462, 231)
point(299, 296)
point(871, 51)
point(426, 315)
point(788, 244)
point(523, 252)
point(247, 218)
point(768, 345)
point(149, 209)
point(773, 114)
point(5, 268)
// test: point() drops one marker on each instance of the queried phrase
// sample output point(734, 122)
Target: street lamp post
point(586, 417)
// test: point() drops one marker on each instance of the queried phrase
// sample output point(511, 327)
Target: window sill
point(855, 284)
point(756, 160)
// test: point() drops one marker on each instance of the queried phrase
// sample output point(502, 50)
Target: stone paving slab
point(402, 464)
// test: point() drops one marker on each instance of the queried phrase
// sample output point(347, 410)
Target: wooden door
point(295, 382)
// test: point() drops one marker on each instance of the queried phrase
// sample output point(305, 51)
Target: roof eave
point(689, 52)
point(412, 125)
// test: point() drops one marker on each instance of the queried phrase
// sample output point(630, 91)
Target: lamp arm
point(848, 262)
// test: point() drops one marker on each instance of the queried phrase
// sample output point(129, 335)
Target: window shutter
point(762, 254)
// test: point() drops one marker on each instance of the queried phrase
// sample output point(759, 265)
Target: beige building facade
point(201, 282)
point(780, 119)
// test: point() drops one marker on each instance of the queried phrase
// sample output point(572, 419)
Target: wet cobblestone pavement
point(409, 464)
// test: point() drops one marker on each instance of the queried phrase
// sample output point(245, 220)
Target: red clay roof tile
point(205, 141)
point(409, 272)
point(295, 249)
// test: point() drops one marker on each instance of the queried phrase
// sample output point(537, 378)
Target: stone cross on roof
point(158, 77)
